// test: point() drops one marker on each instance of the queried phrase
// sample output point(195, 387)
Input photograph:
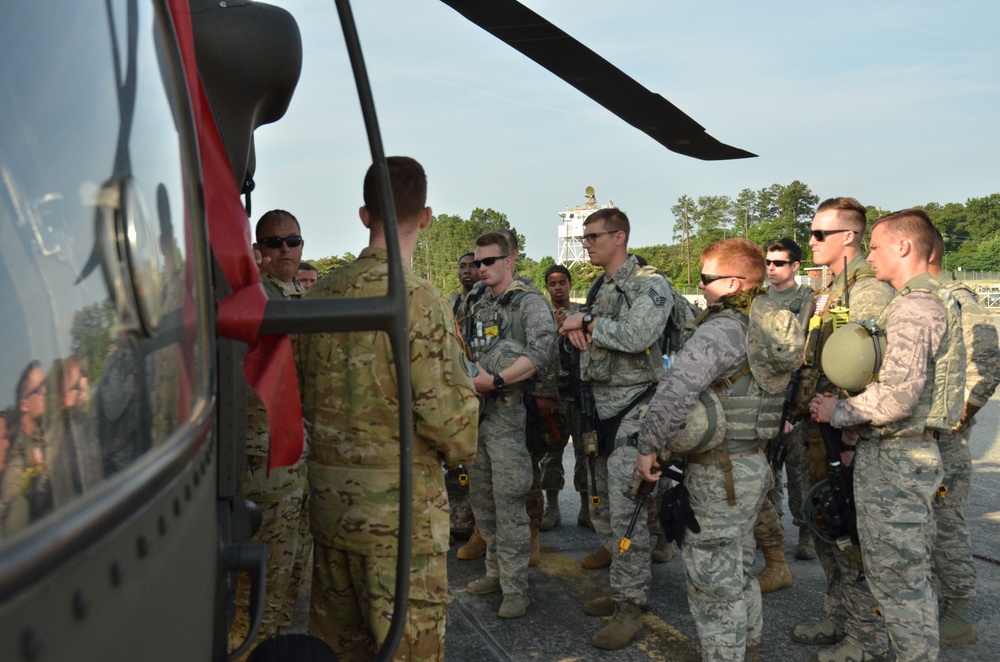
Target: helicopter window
point(102, 350)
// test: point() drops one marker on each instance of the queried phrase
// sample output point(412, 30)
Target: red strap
point(269, 366)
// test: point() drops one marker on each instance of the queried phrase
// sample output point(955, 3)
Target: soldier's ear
point(365, 216)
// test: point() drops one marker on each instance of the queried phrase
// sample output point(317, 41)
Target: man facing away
point(350, 404)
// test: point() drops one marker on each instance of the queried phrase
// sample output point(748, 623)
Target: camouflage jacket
point(982, 374)
point(349, 396)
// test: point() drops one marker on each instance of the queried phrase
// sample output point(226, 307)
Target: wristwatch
point(498, 382)
point(587, 319)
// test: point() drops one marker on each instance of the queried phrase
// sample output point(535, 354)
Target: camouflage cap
point(775, 342)
point(501, 355)
point(852, 356)
point(703, 428)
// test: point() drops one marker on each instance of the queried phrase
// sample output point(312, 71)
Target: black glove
point(676, 515)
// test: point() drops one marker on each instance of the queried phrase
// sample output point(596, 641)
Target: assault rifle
point(777, 446)
point(839, 515)
point(570, 356)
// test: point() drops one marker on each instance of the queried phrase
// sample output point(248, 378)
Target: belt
point(715, 456)
point(507, 399)
point(928, 435)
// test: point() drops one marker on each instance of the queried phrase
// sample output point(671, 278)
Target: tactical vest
point(607, 367)
point(939, 406)
point(494, 319)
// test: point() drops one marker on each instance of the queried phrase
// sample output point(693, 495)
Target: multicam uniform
point(920, 391)
point(849, 605)
point(952, 553)
point(723, 596)
point(518, 322)
point(352, 413)
point(622, 366)
point(284, 528)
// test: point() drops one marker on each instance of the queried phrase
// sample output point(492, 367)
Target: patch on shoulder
point(658, 301)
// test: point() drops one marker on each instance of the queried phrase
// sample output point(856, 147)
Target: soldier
point(512, 337)
point(782, 260)
point(918, 395)
point(728, 483)
point(953, 564)
point(468, 276)
point(306, 275)
point(621, 362)
point(281, 496)
point(351, 409)
point(851, 614)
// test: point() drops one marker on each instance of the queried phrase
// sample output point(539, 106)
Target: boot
point(484, 585)
point(536, 553)
point(621, 629)
point(806, 551)
point(955, 625)
point(552, 518)
point(818, 634)
point(583, 518)
point(514, 605)
point(846, 651)
point(603, 606)
point(662, 552)
point(597, 560)
point(474, 549)
point(752, 654)
point(775, 575)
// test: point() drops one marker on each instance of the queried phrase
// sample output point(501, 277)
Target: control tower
point(570, 250)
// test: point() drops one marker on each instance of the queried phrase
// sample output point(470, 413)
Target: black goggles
point(488, 261)
point(292, 241)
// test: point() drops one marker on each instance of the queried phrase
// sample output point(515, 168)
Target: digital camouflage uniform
point(723, 596)
point(622, 365)
point(920, 389)
point(848, 604)
point(518, 322)
point(284, 527)
point(553, 473)
point(349, 394)
point(953, 564)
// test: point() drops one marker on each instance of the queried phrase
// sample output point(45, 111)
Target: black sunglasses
point(707, 279)
point(777, 263)
point(592, 237)
point(292, 241)
point(488, 261)
point(821, 235)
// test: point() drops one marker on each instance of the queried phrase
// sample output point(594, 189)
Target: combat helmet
point(703, 429)
point(501, 355)
point(823, 515)
point(852, 355)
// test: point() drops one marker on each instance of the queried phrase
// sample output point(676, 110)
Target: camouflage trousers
point(952, 553)
point(462, 520)
point(768, 531)
point(284, 530)
point(498, 482)
point(723, 595)
point(351, 606)
point(630, 571)
point(894, 483)
point(553, 473)
point(797, 473)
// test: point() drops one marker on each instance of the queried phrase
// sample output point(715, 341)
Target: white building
point(570, 249)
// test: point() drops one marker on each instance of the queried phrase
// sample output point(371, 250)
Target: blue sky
point(895, 103)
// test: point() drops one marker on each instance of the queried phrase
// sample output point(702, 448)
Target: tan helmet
point(501, 355)
point(703, 429)
point(852, 355)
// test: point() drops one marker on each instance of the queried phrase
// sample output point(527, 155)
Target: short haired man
point(307, 275)
point(918, 396)
point(468, 276)
point(621, 362)
point(280, 243)
point(25, 492)
point(953, 563)
point(512, 335)
point(352, 412)
point(851, 613)
point(727, 486)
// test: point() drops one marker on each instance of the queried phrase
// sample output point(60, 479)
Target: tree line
point(971, 231)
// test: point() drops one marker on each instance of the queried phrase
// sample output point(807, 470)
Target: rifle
point(640, 490)
point(585, 401)
point(840, 515)
point(777, 446)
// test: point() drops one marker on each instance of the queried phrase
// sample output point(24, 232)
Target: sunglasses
point(708, 279)
point(777, 263)
point(488, 261)
point(821, 235)
point(592, 237)
point(292, 241)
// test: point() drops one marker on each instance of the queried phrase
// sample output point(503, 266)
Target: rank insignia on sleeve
point(658, 301)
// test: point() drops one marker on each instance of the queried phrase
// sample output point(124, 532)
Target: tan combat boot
point(536, 553)
point(955, 625)
point(597, 560)
point(552, 517)
point(621, 629)
point(775, 575)
point(474, 549)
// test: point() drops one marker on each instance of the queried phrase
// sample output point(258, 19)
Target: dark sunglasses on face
point(707, 279)
point(821, 235)
point(777, 263)
point(292, 241)
point(592, 237)
point(488, 261)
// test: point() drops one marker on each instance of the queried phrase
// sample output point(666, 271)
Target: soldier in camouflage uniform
point(284, 528)
point(621, 361)
point(723, 596)
point(918, 395)
point(953, 564)
point(851, 613)
point(512, 337)
point(349, 392)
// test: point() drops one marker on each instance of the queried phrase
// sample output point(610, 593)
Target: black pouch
point(534, 438)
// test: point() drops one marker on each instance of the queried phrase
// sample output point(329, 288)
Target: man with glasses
point(621, 362)
point(284, 528)
point(852, 617)
point(511, 335)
